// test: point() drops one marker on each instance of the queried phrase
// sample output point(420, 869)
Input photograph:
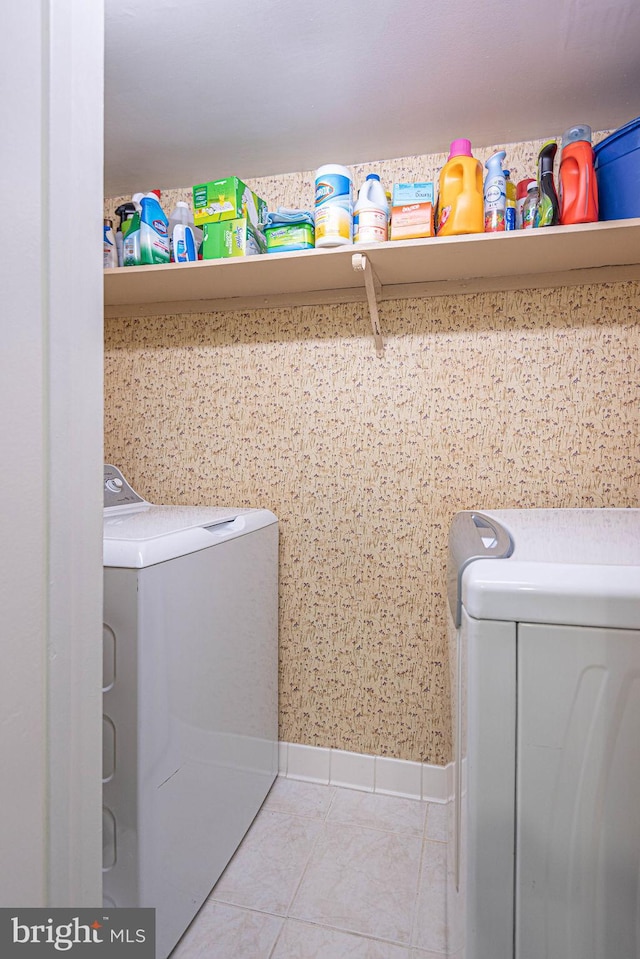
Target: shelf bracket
point(373, 288)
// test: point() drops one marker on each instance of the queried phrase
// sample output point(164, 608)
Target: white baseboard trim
point(376, 774)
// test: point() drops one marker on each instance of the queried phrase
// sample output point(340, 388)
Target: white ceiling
point(200, 89)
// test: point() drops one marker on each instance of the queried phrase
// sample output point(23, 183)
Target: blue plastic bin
point(618, 173)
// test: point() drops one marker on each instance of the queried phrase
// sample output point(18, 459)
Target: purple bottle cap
point(460, 148)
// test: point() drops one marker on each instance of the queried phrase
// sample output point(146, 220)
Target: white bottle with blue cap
point(371, 212)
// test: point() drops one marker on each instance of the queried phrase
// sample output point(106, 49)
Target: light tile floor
point(329, 872)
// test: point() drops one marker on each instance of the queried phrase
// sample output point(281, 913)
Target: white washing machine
point(190, 696)
point(545, 646)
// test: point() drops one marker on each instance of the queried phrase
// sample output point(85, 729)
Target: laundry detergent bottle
point(577, 185)
point(154, 231)
point(495, 194)
point(460, 199)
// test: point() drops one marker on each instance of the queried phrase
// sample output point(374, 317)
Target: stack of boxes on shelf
point(412, 211)
point(231, 217)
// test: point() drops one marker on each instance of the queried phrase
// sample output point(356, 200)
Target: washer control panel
point(117, 491)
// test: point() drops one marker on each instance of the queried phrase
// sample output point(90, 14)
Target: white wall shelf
point(554, 256)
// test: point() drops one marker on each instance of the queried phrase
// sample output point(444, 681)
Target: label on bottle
point(333, 207)
point(109, 249)
point(494, 221)
point(154, 242)
point(444, 216)
point(334, 222)
point(529, 215)
point(372, 227)
point(495, 201)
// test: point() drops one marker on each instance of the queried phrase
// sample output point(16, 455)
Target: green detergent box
point(227, 199)
point(231, 238)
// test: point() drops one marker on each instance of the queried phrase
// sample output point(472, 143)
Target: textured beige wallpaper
point(528, 398)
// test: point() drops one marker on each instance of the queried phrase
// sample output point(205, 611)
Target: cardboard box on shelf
point(227, 199)
point(405, 193)
point(412, 222)
point(231, 238)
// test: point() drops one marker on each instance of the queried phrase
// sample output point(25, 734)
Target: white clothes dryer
point(545, 647)
point(190, 696)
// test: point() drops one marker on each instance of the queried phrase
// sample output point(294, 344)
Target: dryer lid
point(473, 535)
point(571, 566)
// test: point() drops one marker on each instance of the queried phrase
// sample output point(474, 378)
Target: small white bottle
point(183, 244)
point(109, 251)
point(184, 237)
point(371, 214)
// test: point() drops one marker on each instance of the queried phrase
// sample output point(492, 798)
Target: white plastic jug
point(371, 213)
point(183, 234)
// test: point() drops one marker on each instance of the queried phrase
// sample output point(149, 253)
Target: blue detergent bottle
point(495, 194)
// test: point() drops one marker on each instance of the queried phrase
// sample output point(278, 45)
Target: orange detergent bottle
point(461, 201)
point(578, 187)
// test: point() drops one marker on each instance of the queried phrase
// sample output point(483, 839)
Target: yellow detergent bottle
point(461, 200)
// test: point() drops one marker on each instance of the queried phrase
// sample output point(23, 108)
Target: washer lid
point(136, 533)
point(155, 534)
point(568, 566)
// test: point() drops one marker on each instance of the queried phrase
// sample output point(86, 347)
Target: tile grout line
point(325, 822)
point(278, 937)
point(325, 817)
point(426, 826)
point(314, 845)
point(416, 897)
point(387, 831)
point(352, 932)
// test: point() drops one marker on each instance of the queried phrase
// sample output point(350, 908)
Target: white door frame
point(51, 159)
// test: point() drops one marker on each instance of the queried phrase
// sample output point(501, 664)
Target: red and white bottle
point(371, 212)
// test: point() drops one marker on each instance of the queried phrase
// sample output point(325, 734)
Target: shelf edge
point(457, 287)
